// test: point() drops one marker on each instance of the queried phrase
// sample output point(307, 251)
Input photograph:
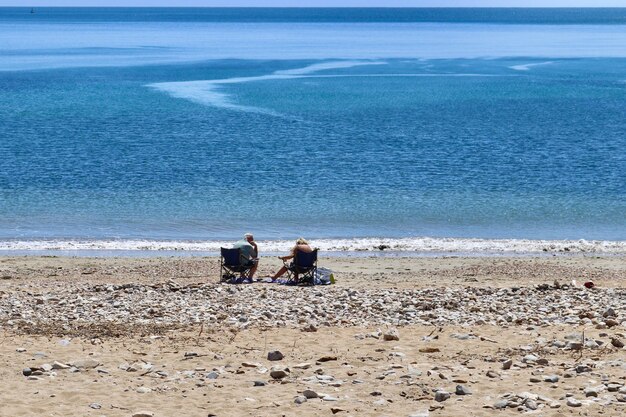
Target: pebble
point(143, 414)
point(95, 406)
point(462, 390)
point(300, 399)
point(310, 394)
point(259, 383)
point(275, 355)
point(391, 334)
point(551, 378)
point(441, 396)
point(573, 402)
point(85, 364)
point(507, 364)
point(278, 372)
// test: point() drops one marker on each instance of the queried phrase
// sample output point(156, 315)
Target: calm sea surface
point(202, 124)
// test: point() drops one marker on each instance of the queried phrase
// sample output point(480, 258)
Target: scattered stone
point(27, 371)
point(300, 399)
point(507, 364)
point(391, 334)
point(95, 406)
point(143, 414)
point(327, 358)
point(617, 343)
point(441, 396)
point(275, 355)
point(86, 364)
point(310, 394)
point(551, 378)
point(462, 390)
point(501, 404)
point(305, 365)
point(259, 383)
point(278, 372)
point(143, 390)
point(59, 365)
point(573, 402)
point(493, 374)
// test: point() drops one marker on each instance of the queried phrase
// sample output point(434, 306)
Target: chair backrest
point(231, 256)
point(306, 259)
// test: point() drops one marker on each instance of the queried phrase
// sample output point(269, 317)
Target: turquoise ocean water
point(123, 128)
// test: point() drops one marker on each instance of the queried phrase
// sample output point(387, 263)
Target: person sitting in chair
point(302, 246)
point(249, 253)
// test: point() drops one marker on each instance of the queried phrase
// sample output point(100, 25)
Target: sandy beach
point(394, 337)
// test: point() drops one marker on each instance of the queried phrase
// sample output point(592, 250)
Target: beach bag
point(324, 276)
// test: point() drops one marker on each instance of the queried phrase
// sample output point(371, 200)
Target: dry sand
point(162, 360)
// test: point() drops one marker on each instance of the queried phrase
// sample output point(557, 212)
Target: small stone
point(609, 312)
point(376, 393)
point(327, 358)
point(143, 414)
point(310, 394)
point(86, 364)
point(554, 404)
point(441, 396)
point(582, 368)
point(59, 365)
point(95, 406)
point(492, 374)
point(27, 371)
point(143, 390)
point(391, 334)
point(551, 378)
point(300, 399)
point(329, 398)
point(573, 402)
point(535, 379)
point(279, 373)
point(275, 355)
point(530, 358)
point(212, 375)
point(593, 391)
point(462, 390)
point(617, 343)
point(501, 404)
point(250, 365)
point(336, 410)
point(531, 404)
point(20, 350)
point(304, 365)
point(507, 364)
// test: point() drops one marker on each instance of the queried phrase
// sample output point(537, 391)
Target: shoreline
point(405, 246)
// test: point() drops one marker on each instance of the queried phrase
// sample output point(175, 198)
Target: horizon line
point(309, 7)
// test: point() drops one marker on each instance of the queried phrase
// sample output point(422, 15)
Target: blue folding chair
point(232, 266)
point(303, 268)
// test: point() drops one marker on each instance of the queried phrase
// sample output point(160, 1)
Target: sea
point(366, 131)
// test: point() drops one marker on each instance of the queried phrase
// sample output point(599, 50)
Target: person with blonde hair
point(301, 246)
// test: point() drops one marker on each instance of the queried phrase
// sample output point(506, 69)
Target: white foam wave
point(326, 66)
point(527, 67)
point(374, 245)
point(208, 92)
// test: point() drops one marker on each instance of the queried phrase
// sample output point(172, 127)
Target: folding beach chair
point(303, 268)
point(232, 266)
